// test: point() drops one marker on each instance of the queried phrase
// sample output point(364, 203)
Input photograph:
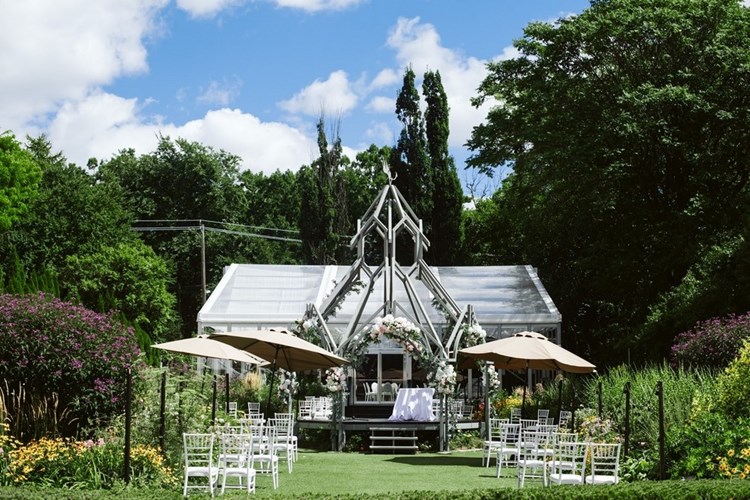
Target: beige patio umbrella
point(525, 351)
point(283, 349)
point(205, 347)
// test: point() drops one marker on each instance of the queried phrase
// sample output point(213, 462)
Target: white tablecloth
point(413, 404)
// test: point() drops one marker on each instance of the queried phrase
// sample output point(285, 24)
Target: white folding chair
point(541, 416)
point(235, 460)
point(605, 463)
point(305, 409)
point(507, 453)
point(233, 409)
point(568, 462)
point(565, 417)
point(515, 415)
point(198, 450)
point(286, 432)
point(492, 443)
point(532, 456)
point(253, 407)
point(263, 452)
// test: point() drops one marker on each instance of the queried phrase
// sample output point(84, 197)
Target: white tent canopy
point(506, 299)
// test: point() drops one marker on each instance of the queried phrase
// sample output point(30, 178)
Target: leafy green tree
point(626, 139)
point(19, 179)
point(72, 214)
point(128, 277)
point(447, 195)
point(183, 180)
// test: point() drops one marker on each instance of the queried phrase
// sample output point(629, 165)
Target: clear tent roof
point(505, 298)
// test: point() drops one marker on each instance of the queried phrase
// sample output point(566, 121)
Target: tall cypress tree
point(447, 196)
point(323, 213)
point(410, 161)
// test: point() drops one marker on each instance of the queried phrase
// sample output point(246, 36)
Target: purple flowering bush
point(61, 362)
point(712, 343)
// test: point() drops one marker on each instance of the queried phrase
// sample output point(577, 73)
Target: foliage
point(410, 162)
point(592, 428)
point(732, 396)
point(183, 180)
point(712, 343)
point(89, 464)
point(710, 446)
point(681, 389)
point(713, 286)
point(323, 211)
point(636, 175)
point(49, 347)
point(72, 214)
point(447, 194)
point(465, 440)
point(128, 277)
point(19, 178)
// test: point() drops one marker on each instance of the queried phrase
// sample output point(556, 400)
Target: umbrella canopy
point(527, 350)
point(207, 348)
point(282, 348)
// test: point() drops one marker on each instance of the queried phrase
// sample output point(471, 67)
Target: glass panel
point(392, 376)
point(367, 373)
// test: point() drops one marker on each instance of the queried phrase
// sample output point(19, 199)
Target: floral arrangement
point(336, 380)
point(287, 383)
point(443, 378)
point(473, 335)
point(400, 330)
point(730, 465)
point(595, 429)
point(493, 381)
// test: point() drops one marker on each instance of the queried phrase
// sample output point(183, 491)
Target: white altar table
point(413, 404)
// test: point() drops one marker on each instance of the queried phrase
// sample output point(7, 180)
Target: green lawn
point(349, 473)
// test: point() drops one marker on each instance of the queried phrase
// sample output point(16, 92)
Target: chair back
point(236, 449)
point(527, 423)
point(568, 464)
point(233, 408)
point(253, 407)
point(565, 418)
point(509, 434)
point(198, 450)
point(605, 463)
point(515, 415)
point(541, 416)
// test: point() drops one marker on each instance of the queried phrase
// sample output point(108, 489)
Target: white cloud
point(206, 8)
point(381, 133)
point(381, 104)
point(103, 124)
point(509, 52)
point(221, 93)
point(418, 44)
point(77, 44)
point(332, 96)
point(319, 5)
point(385, 78)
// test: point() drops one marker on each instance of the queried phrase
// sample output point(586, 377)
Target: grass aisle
point(378, 474)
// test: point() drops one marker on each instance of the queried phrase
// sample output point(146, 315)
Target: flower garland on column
point(287, 384)
point(336, 386)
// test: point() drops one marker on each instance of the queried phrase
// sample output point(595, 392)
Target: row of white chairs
point(315, 408)
point(456, 407)
point(555, 457)
point(243, 452)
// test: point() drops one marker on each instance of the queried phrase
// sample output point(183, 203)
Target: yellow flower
point(730, 453)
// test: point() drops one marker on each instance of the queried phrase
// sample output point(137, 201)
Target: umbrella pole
point(270, 389)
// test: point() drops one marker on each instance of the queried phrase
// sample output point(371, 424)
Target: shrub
point(710, 446)
point(713, 343)
point(733, 398)
point(86, 464)
point(681, 388)
point(71, 359)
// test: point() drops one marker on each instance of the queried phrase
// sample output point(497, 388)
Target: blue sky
point(247, 76)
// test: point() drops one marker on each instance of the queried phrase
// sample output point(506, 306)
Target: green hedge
point(698, 489)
